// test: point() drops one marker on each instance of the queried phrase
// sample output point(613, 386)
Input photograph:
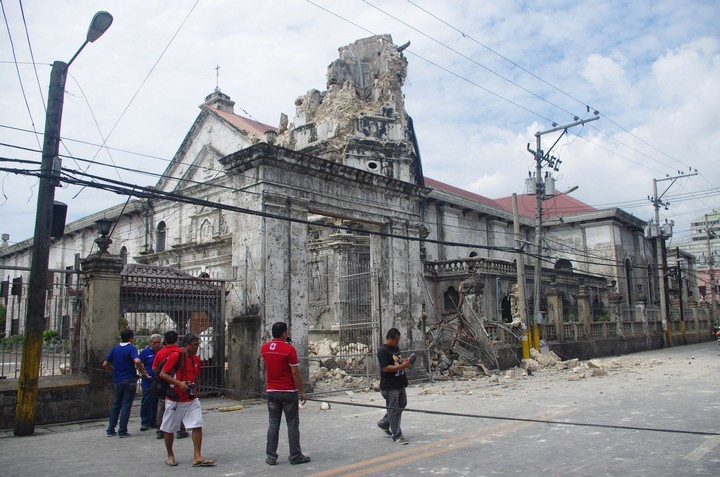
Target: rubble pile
point(445, 363)
point(333, 365)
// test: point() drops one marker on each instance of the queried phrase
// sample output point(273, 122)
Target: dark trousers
point(287, 403)
point(148, 409)
point(124, 395)
point(396, 401)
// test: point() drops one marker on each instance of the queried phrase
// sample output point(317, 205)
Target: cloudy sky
point(483, 77)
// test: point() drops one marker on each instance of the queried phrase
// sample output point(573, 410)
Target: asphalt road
point(653, 414)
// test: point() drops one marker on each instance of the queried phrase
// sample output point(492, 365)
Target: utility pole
point(659, 234)
point(540, 158)
point(49, 174)
point(711, 272)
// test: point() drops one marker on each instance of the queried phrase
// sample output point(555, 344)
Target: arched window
point(563, 264)
point(160, 237)
point(206, 231)
point(452, 299)
point(123, 254)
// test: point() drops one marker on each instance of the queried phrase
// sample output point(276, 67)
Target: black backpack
point(160, 388)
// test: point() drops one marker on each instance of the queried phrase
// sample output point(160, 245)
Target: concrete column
point(99, 327)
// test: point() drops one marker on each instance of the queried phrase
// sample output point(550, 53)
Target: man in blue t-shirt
point(149, 403)
point(122, 360)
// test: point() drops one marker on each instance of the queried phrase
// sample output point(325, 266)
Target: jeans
point(396, 401)
point(148, 409)
point(279, 403)
point(124, 395)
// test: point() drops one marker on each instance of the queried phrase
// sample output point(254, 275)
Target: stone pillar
point(398, 289)
point(285, 274)
point(555, 310)
point(692, 304)
point(616, 300)
point(244, 374)
point(583, 305)
point(641, 315)
point(99, 327)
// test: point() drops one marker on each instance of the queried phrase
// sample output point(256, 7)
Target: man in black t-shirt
point(392, 385)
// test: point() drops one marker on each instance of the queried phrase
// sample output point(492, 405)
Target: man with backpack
point(171, 339)
point(182, 372)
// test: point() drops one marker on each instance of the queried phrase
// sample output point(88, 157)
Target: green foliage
point(10, 341)
point(603, 316)
point(50, 335)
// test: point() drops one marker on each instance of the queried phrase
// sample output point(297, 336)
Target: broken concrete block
point(469, 372)
point(530, 364)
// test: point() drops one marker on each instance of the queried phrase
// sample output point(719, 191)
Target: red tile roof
point(558, 206)
point(457, 191)
point(254, 128)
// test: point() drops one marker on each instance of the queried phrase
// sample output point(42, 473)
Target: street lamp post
point(49, 174)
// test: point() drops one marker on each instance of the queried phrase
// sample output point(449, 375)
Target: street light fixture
point(103, 241)
point(49, 172)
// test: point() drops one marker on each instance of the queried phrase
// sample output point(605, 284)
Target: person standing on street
point(185, 408)
point(149, 403)
point(283, 383)
point(122, 360)
point(393, 381)
point(171, 339)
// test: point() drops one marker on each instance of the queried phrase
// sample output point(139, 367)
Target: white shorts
point(177, 413)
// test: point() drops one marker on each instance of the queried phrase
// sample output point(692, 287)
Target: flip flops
point(204, 463)
point(171, 462)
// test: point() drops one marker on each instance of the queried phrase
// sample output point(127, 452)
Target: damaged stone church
point(327, 222)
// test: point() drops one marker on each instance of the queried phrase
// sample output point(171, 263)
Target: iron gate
point(157, 299)
point(358, 328)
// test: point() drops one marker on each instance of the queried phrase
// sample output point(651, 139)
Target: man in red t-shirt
point(186, 407)
point(171, 339)
point(283, 383)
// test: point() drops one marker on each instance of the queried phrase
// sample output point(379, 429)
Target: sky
point(483, 78)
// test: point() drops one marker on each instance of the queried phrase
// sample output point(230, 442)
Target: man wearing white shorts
point(185, 408)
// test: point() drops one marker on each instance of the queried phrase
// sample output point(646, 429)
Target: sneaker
point(182, 435)
point(401, 440)
point(386, 429)
point(270, 461)
point(301, 460)
point(144, 428)
point(111, 433)
point(159, 435)
point(123, 434)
